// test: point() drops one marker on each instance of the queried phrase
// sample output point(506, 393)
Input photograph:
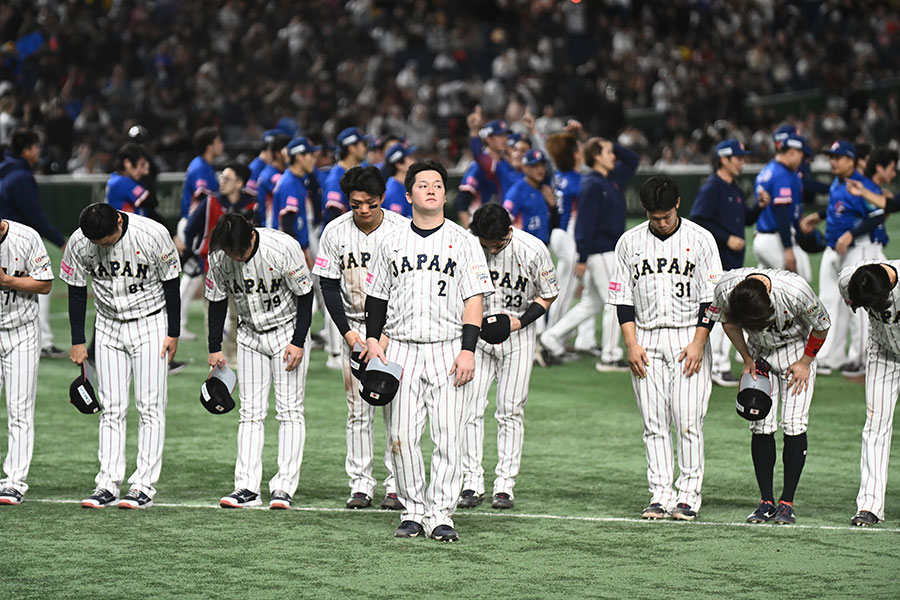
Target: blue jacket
point(721, 210)
point(19, 198)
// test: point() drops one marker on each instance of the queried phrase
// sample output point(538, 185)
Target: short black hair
point(98, 221)
point(862, 150)
point(880, 157)
point(279, 141)
point(131, 151)
point(659, 193)
point(203, 138)
point(363, 179)
point(21, 140)
point(749, 306)
point(240, 169)
point(417, 167)
point(870, 287)
point(233, 234)
point(490, 222)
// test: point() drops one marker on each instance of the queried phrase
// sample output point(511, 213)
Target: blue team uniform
point(847, 212)
point(720, 209)
point(476, 183)
point(786, 206)
point(256, 166)
point(290, 198)
point(199, 180)
point(125, 194)
point(566, 185)
point(395, 198)
point(528, 209)
point(268, 178)
point(332, 196)
point(500, 172)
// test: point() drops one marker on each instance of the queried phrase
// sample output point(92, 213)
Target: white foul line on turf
point(511, 515)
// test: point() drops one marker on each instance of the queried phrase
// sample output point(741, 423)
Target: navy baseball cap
point(783, 132)
point(795, 141)
point(350, 136)
point(380, 382)
point(270, 135)
point(398, 152)
point(513, 137)
point(495, 127)
point(301, 145)
point(534, 157)
point(730, 147)
point(841, 148)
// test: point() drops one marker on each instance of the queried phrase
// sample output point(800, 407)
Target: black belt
point(155, 312)
point(255, 330)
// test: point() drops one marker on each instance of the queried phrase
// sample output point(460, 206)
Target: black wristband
point(470, 336)
point(532, 314)
point(703, 319)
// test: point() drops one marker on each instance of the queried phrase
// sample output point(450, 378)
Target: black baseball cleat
point(240, 499)
point(864, 518)
point(279, 500)
point(53, 352)
point(469, 499)
point(784, 514)
point(408, 529)
point(10, 496)
point(101, 498)
point(684, 512)
point(135, 499)
point(763, 513)
point(502, 500)
point(654, 512)
point(176, 367)
point(725, 379)
point(358, 500)
point(392, 502)
point(445, 533)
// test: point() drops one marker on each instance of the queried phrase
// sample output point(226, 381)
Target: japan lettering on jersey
point(426, 281)
point(345, 253)
point(22, 254)
point(521, 272)
point(884, 326)
point(665, 280)
point(797, 309)
point(265, 288)
point(127, 276)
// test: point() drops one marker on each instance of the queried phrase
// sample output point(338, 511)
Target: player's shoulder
point(527, 242)
point(149, 227)
point(639, 231)
point(275, 240)
point(22, 233)
point(391, 219)
point(339, 226)
point(699, 232)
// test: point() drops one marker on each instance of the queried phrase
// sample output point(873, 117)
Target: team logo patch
point(42, 260)
point(492, 319)
point(785, 191)
point(714, 310)
point(370, 278)
point(321, 261)
point(200, 184)
point(714, 276)
point(209, 284)
point(334, 196)
point(292, 201)
point(615, 286)
point(66, 268)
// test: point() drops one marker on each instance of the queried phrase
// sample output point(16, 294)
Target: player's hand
point(843, 243)
point(514, 324)
point(692, 357)
point(798, 376)
point(474, 121)
point(383, 342)
point(528, 120)
point(179, 245)
point(293, 355)
point(763, 198)
point(78, 354)
point(463, 367)
point(216, 359)
point(749, 367)
point(809, 222)
point(637, 360)
point(854, 187)
point(373, 350)
point(790, 261)
point(351, 337)
point(170, 347)
point(579, 270)
point(574, 126)
point(549, 196)
point(735, 243)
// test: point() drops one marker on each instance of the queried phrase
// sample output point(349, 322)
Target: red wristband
point(813, 345)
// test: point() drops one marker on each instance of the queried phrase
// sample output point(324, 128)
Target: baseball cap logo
point(835, 145)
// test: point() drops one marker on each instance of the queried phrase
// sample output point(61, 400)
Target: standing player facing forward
point(425, 290)
point(662, 288)
point(786, 325)
point(525, 279)
point(265, 271)
point(134, 271)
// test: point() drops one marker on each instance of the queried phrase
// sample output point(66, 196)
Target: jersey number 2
point(442, 288)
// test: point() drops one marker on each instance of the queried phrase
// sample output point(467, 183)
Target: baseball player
point(268, 179)
point(432, 274)
point(25, 271)
point(123, 192)
point(780, 188)
point(352, 149)
point(525, 281)
point(259, 163)
point(873, 287)
point(662, 288)
point(530, 200)
point(721, 210)
point(265, 272)
point(398, 160)
point(474, 190)
point(493, 138)
point(134, 269)
point(786, 325)
point(345, 253)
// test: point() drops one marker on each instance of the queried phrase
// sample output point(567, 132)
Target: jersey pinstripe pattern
point(521, 272)
point(22, 253)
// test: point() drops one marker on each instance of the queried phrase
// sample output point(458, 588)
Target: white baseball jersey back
point(22, 254)
point(884, 327)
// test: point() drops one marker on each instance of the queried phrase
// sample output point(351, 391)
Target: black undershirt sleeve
point(77, 310)
point(173, 307)
point(376, 316)
point(331, 293)
point(625, 313)
point(217, 312)
point(703, 319)
point(304, 319)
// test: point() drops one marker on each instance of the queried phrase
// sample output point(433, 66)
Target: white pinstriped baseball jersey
point(645, 268)
point(434, 274)
point(345, 253)
point(22, 254)
point(266, 285)
point(126, 276)
point(884, 327)
point(797, 310)
point(520, 272)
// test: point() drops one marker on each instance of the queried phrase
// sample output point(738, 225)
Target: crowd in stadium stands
point(82, 73)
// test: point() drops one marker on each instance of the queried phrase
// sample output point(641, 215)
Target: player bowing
point(786, 324)
point(525, 279)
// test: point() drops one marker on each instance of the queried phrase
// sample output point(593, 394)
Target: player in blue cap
point(259, 163)
point(289, 200)
point(488, 144)
point(530, 200)
point(352, 148)
point(398, 159)
point(812, 187)
point(268, 179)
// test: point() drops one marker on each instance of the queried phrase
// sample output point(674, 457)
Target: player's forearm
point(304, 319)
point(629, 333)
point(376, 316)
point(736, 335)
point(216, 316)
point(172, 294)
point(77, 310)
point(472, 313)
point(331, 294)
point(27, 284)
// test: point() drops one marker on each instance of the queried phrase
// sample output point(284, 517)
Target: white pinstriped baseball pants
point(19, 355)
point(427, 390)
point(794, 408)
point(260, 364)
point(361, 432)
point(124, 349)
point(882, 387)
point(667, 399)
point(510, 365)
